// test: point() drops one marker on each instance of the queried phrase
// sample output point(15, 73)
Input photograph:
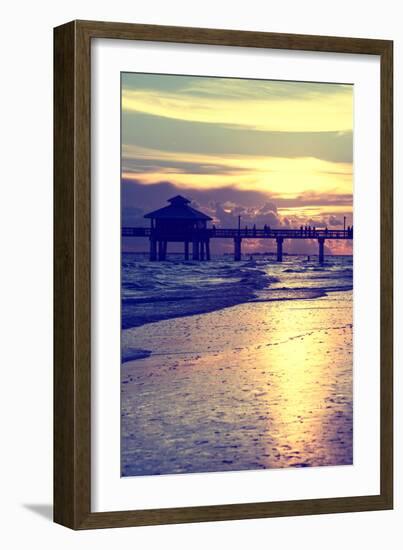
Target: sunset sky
point(275, 152)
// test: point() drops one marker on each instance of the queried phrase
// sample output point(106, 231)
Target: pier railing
point(200, 239)
point(246, 233)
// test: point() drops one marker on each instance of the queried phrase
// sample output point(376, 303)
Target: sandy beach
point(256, 385)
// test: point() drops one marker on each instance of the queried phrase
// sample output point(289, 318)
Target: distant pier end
point(179, 222)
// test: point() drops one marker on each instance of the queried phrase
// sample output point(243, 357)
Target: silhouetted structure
point(179, 222)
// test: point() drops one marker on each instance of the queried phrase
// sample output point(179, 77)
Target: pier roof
point(178, 209)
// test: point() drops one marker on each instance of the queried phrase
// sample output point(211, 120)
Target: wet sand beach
point(256, 385)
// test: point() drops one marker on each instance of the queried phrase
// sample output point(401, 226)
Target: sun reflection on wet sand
point(258, 385)
point(312, 396)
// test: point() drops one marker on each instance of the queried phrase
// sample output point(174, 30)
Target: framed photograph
point(223, 275)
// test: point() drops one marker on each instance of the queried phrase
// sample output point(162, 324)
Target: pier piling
point(208, 250)
point(237, 249)
point(160, 251)
point(153, 249)
point(321, 242)
point(279, 241)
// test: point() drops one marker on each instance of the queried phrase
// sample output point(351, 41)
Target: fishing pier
point(179, 222)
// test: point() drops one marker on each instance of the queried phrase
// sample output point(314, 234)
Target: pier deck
point(200, 239)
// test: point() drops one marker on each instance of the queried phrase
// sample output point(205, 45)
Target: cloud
point(240, 88)
point(168, 134)
point(268, 207)
point(136, 194)
point(228, 216)
point(260, 105)
point(132, 216)
point(247, 172)
point(310, 198)
point(177, 166)
point(332, 220)
point(227, 203)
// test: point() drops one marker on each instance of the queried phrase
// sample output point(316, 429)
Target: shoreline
point(307, 294)
point(218, 394)
point(168, 290)
point(246, 282)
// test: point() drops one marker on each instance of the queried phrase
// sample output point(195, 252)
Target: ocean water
point(153, 291)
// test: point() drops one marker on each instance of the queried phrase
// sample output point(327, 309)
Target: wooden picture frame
point(72, 270)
